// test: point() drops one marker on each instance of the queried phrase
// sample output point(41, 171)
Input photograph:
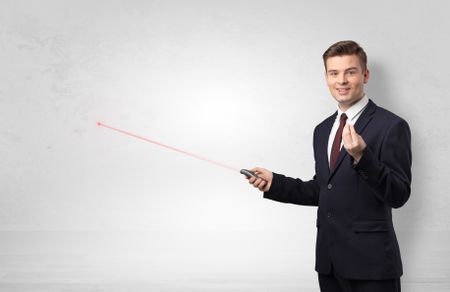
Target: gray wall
point(237, 81)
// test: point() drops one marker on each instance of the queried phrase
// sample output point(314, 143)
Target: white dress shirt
point(353, 114)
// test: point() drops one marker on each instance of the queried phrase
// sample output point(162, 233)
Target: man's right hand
point(264, 181)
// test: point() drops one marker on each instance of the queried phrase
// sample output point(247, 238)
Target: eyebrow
point(348, 69)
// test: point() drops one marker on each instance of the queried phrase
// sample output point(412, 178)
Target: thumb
point(261, 172)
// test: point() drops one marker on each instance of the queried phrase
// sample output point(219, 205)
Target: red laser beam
point(168, 147)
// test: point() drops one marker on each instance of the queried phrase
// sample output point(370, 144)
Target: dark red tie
point(337, 142)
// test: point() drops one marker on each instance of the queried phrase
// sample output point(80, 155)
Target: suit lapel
point(365, 117)
point(360, 125)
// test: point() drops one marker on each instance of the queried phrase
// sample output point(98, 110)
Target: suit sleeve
point(293, 190)
point(389, 172)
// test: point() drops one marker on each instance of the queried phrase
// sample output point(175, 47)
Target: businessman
point(362, 170)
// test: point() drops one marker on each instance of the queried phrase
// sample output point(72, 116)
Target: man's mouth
point(343, 90)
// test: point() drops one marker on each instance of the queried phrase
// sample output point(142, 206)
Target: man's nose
point(342, 79)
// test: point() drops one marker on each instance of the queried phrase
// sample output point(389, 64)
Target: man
point(363, 169)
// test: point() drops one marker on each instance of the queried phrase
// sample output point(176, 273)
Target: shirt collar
point(355, 109)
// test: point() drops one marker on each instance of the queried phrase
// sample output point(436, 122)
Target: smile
point(343, 90)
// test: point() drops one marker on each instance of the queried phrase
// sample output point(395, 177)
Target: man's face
point(346, 79)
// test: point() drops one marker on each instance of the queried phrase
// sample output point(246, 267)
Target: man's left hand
point(353, 142)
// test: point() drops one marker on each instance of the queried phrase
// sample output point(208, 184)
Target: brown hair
point(345, 48)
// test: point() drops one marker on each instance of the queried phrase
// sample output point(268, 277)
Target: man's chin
point(342, 99)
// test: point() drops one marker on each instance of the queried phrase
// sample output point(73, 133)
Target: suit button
point(330, 186)
point(329, 215)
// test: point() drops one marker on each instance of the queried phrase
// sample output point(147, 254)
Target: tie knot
point(343, 118)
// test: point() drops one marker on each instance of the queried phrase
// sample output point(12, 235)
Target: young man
point(363, 169)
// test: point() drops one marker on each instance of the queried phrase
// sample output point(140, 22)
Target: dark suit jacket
point(354, 220)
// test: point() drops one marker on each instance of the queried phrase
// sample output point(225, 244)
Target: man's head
point(346, 48)
point(346, 72)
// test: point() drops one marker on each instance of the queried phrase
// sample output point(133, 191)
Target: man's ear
point(366, 76)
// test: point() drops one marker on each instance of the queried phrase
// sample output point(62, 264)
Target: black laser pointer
point(249, 174)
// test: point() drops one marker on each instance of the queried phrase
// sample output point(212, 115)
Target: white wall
point(236, 81)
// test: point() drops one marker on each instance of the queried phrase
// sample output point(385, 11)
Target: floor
point(190, 261)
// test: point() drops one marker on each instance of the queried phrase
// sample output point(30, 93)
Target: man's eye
point(352, 72)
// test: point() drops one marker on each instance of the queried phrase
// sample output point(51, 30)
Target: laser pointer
point(248, 173)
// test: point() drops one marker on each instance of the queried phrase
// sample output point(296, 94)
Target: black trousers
point(335, 283)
